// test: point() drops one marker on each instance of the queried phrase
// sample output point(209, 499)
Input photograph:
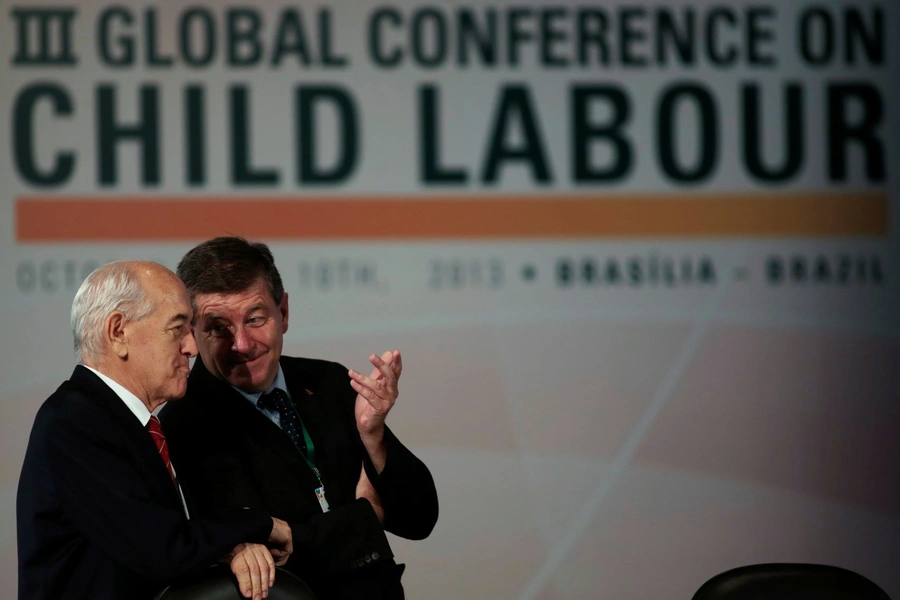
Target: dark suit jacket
point(97, 514)
point(230, 456)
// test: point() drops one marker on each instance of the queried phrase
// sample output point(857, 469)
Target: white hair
point(113, 287)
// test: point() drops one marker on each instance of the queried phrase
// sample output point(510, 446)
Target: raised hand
point(377, 393)
point(375, 396)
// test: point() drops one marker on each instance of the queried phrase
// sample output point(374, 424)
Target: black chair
point(789, 582)
point(219, 584)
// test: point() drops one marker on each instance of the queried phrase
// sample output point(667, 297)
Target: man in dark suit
point(302, 439)
point(100, 514)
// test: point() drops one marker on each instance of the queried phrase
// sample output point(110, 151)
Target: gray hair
point(112, 287)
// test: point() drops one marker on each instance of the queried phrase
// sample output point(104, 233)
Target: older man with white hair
point(100, 513)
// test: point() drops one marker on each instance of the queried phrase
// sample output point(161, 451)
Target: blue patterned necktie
point(293, 426)
point(290, 420)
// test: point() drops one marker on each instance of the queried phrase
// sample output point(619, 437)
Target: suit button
point(368, 558)
point(375, 556)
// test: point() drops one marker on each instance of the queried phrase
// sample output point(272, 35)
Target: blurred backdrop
point(640, 258)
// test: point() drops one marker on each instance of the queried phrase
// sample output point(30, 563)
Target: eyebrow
point(209, 320)
point(217, 317)
point(179, 317)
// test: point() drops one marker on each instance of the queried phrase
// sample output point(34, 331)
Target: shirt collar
point(131, 401)
point(280, 383)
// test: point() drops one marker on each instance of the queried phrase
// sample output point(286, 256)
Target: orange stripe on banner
point(138, 219)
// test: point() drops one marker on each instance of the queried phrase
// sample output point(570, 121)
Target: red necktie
point(159, 439)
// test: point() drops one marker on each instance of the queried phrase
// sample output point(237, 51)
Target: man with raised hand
point(100, 512)
point(302, 439)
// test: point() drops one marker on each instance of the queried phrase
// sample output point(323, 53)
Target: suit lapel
point(310, 399)
point(141, 444)
point(263, 438)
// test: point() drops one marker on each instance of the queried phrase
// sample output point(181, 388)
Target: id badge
point(320, 495)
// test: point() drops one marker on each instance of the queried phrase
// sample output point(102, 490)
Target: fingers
point(280, 556)
point(281, 532)
point(286, 549)
point(372, 386)
point(380, 402)
point(242, 572)
point(379, 393)
point(262, 569)
point(267, 566)
point(289, 548)
point(246, 569)
point(387, 371)
point(384, 364)
point(282, 538)
point(375, 401)
point(255, 575)
point(378, 390)
point(397, 363)
point(264, 572)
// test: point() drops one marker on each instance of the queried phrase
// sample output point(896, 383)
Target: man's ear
point(283, 309)
point(116, 335)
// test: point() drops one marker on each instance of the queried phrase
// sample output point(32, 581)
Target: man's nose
point(189, 346)
point(241, 341)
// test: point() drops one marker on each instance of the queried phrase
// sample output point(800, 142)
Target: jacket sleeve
point(340, 540)
point(219, 479)
point(107, 497)
point(405, 485)
point(220, 483)
point(407, 491)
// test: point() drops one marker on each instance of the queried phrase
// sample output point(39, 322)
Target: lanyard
point(289, 422)
point(310, 457)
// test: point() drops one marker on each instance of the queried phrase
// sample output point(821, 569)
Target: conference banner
point(641, 259)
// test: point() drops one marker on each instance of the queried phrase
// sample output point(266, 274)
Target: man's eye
point(256, 320)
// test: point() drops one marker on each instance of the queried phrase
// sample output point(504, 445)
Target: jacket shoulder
point(69, 403)
point(316, 376)
point(311, 367)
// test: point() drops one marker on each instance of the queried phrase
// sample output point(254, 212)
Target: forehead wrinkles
point(228, 306)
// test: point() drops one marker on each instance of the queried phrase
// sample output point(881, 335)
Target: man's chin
point(249, 376)
point(178, 393)
point(243, 379)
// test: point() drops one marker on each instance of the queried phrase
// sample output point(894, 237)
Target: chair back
point(218, 583)
point(783, 581)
